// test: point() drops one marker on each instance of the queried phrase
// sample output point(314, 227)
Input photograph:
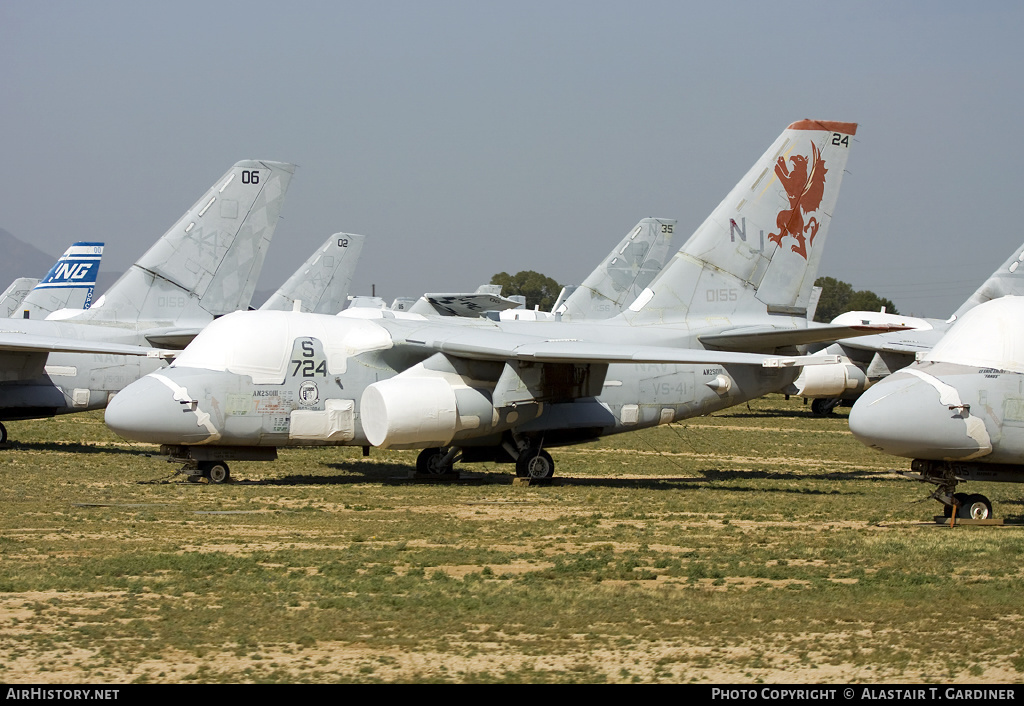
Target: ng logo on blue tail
point(77, 267)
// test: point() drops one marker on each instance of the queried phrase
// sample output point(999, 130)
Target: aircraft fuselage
point(311, 389)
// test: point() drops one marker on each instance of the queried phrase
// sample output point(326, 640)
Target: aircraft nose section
point(918, 417)
point(156, 410)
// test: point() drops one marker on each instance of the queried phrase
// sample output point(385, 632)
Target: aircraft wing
point(499, 345)
point(16, 342)
point(761, 338)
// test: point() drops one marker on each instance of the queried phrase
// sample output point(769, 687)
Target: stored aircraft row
point(719, 324)
point(645, 340)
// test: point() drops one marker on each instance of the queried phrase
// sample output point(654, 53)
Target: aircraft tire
point(535, 463)
point(3, 434)
point(976, 507)
point(216, 471)
point(429, 462)
point(822, 407)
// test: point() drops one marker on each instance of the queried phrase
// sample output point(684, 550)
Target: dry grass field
point(760, 544)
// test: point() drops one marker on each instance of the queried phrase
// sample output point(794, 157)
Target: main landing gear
point(531, 460)
point(535, 463)
point(822, 407)
point(437, 462)
point(3, 434)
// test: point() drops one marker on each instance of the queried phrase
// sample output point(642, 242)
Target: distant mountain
point(21, 260)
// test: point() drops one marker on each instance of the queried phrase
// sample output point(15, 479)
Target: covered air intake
point(409, 411)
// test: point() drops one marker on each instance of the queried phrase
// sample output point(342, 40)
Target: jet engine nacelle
point(423, 412)
point(830, 380)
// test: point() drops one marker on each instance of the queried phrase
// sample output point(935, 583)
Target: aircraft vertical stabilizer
point(758, 252)
point(1007, 280)
point(208, 263)
point(14, 295)
point(321, 285)
point(68, 285)
point(623, 274)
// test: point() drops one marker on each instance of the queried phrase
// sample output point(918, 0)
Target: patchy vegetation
point(758, 544)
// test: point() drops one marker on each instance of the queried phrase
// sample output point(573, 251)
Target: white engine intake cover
point(415, 412)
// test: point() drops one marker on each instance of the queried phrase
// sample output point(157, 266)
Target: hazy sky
point(467, 138)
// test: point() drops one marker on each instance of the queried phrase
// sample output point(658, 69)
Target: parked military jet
point(321, 284)
point(205, 266)
point(68, 285)
point(712, 330)
point(959, 411)
point(864, 361)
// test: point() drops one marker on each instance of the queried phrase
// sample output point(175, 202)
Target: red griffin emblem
point(805, 189)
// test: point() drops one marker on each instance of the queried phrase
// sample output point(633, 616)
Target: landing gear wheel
point(822, 407)
point(429, 462)
point(3, 434)
point(976, 507)
point(536, 464)
point(216, 471)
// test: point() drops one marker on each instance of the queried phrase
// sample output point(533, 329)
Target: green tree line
point(838, 297)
